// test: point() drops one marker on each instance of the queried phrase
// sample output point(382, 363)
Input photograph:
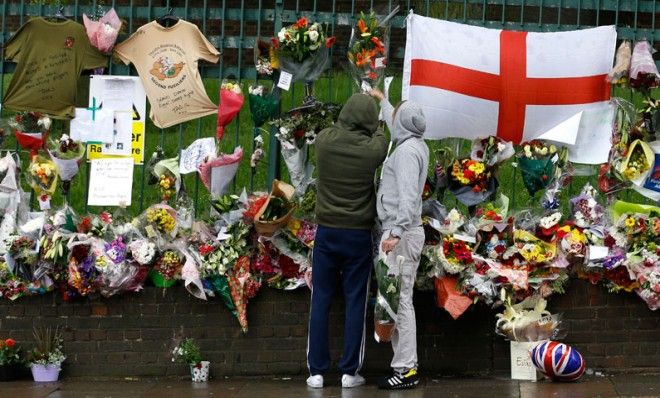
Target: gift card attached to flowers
point(276, 210)
point(302, 49)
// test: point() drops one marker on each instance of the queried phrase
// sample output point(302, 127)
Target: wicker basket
point(268, 228)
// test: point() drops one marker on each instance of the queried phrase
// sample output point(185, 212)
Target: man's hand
point(376, 93)
point(389, 244)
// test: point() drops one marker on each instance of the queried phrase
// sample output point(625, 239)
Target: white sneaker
point(315, 381)
point(348, 381)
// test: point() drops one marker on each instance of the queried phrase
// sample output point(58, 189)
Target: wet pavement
point(623, 385)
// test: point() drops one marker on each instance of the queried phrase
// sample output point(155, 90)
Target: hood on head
point(409, 121)
point(360, 113)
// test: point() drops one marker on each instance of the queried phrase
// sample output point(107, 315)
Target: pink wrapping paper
point(222, 160)
point(103, 33)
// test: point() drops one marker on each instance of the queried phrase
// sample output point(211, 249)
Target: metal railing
point(234, 26)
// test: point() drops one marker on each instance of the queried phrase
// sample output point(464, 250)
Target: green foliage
point(187, 352)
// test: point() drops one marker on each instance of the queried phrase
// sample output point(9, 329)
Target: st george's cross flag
point(473, 81)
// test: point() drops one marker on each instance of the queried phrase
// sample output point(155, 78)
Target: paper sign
point(123, 94)
point(122, 136)
point(221, 178)
point(92, 126)
point(195, 154)
point(285, 80)
point(110, 182)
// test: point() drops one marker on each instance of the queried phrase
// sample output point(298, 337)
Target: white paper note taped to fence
point(110, 182)
point(195, 154)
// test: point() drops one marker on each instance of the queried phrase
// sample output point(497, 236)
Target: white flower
point(282, 34)
point(314, 27)
point(550, 221)
point(259, 140)
point(313, 35)
point(256, 90)
point(500, 147)
point(284, 131)
point(45, 122)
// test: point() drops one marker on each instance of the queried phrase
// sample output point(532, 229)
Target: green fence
point(233, 27)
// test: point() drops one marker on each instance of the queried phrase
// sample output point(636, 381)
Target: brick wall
point(132, 335)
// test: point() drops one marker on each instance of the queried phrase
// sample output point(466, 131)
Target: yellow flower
point(478, 167)
point(630, 222)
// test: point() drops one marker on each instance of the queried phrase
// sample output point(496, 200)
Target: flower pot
point(383, 330)
point(45, 372)
point(200, 373)
point(159, 280)
point(9, 372)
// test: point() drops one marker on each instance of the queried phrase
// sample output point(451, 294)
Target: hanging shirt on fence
point(50, 57)
point(166, 60)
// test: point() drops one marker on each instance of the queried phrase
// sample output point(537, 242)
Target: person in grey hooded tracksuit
point(399, 206)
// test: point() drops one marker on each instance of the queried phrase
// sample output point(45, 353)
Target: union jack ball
point(558, 361)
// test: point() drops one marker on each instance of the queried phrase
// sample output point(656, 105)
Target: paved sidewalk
point(623, 385)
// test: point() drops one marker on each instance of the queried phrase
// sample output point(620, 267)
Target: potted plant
point(10, 360)
point(188, 352)
point(47, 356)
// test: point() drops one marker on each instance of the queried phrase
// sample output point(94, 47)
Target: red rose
point(275, 42)
point(10, 343)
point(302, 23)
point(330, 41)
point(299, 134)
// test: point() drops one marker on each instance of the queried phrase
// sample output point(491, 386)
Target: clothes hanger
point(168, 19)
point(59, 14)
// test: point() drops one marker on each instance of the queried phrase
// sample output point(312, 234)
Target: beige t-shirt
point(166, 60)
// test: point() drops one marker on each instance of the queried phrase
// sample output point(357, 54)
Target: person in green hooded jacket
point(348, 155)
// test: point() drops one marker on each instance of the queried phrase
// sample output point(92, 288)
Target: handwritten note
point(285, 80)
point(110, 182)
point(195, 154)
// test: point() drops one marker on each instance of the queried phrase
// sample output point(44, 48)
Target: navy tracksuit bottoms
point(341, 257)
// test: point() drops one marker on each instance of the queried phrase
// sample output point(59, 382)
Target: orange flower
point(379, 45)
point(10, 343)
point(362, 26)
point(301, 23)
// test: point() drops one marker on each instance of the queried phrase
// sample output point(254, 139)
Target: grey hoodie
point(399, 198)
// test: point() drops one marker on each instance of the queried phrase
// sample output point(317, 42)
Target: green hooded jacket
point(347, 156)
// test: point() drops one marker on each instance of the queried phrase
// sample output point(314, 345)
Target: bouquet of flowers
point(586, 210)
point(264, 57)
point(160, 219)
point(42, 177)
point(264, 104)
point(368, 48)
point(243, 286)
point(167, 268)
point(455, 255)
point(638, 162)
point(303, 49)
point(387, 296)
point(537, 164)
point(231, 102)
point(166, 174)
point(528, 320)
point(471, 181)
point(276, 210)
point(83, 275)
point(10, 354)
point(142, 251)
point(491, 150)
point(610, 179)
point(103, 31)
point(297, 130)
point(619, 73)
point(67, 154)
point(31, 130)
point(227, 165)
point(643, 70)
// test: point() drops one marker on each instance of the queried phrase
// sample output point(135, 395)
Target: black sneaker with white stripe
point(399, 381)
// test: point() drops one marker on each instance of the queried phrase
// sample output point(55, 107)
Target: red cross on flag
point(473, 81)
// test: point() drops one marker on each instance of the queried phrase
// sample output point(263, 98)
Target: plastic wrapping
point(368, 49)
point(620, 71)
point(226, 166)
point(537, 163)
point(264, 105)
point(31, 130)
point(166, 173)
point(528, 321)
point(388, 274)
point(303, 50)
point(103, 33)
point(643, 70)
point(231, 102)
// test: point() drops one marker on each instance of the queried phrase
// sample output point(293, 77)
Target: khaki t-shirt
point(166, 60)
point(50, 57)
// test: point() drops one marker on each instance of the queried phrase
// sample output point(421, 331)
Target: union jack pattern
point(558, 361)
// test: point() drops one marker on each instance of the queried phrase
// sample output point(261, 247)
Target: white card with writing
point(195, 154)
point(92, 126)
point(110, 182)
point(285, 80)
point(379, 62)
